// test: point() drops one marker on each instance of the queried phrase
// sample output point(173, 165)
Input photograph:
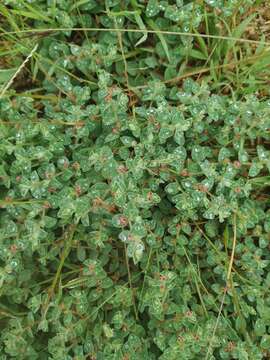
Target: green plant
point(134, 212)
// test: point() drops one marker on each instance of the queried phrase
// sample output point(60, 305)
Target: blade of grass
point(208, 69)
point(119, 34)
point(159, 34)
point(142, 27)
point(144, 278)
point(31, 15)
point(68, 237)
point(195, 278)
point(130, 283)
point(202, 44)
point(6, 74)
point(239, 30)
point(228, 280)
point(77, 4)
point(6, 13)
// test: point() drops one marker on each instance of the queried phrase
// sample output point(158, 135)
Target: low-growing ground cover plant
point(134, 180)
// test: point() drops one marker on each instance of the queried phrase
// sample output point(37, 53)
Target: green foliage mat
point(134, 211)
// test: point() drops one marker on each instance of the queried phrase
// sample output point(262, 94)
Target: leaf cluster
point(118, 190)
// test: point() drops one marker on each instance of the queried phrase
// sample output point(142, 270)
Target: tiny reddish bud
point(13, 248)
point(66, 164)
point(123, 221)
point(162, 277)
point(184, 173)
point(47, 205)
point(237, 164)
point(149, 196)
point(78, 190)
point(189, 313)
point(51, 190)
point(122, 169)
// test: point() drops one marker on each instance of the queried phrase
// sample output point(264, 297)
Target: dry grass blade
point(9, 83)
point(164, 32)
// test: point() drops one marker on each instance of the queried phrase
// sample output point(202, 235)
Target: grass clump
point(134, 180)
